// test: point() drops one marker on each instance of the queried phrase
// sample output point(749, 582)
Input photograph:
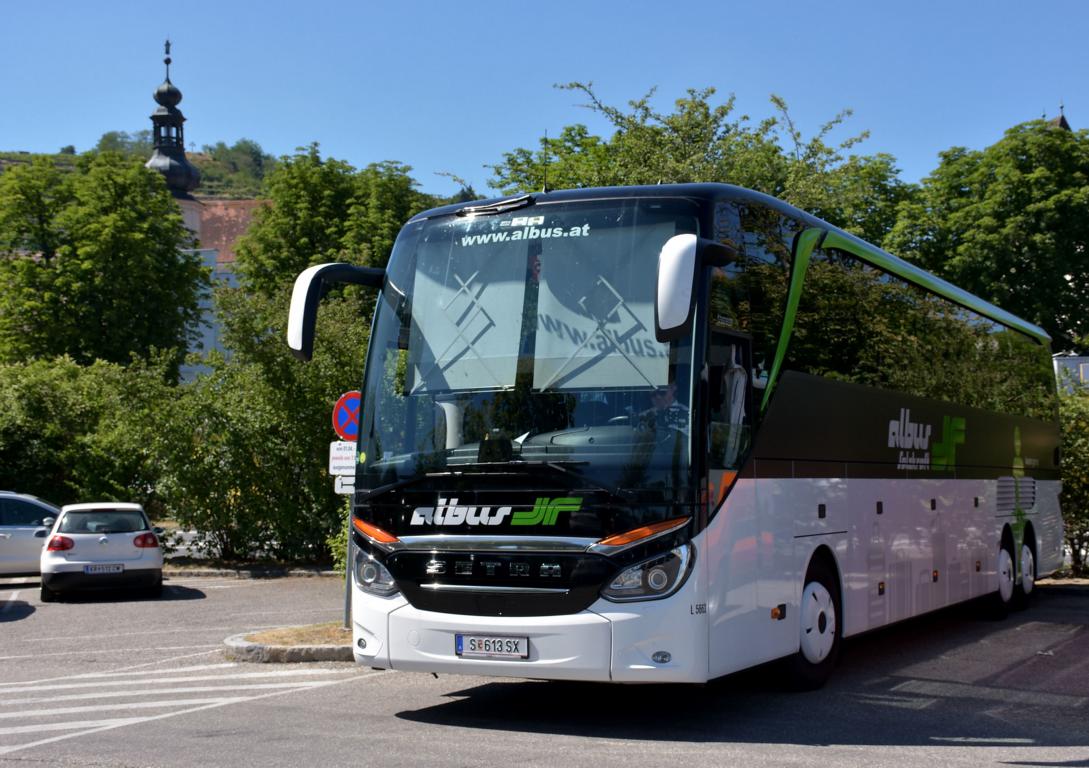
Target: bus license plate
point(111, 568)
point(491, 647)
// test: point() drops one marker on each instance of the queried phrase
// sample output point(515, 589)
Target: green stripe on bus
point(807, 241)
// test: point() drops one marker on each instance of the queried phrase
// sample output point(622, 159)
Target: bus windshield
point(527, 338)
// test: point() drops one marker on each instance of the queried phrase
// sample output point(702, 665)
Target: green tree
point(136, 144)
point(385, 197)
point(73, 433)
point(92, 263)
point(245, 448)
point(1008, 223)
point(32, 198)
point(237, 170)
point(1074, 408)
point(703, 141)
point(304, 225)
point(324, 210)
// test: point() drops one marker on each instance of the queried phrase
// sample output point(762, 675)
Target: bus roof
point(711, 191)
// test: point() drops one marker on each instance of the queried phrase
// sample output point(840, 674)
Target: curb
point(270, 573)
point(238, 648)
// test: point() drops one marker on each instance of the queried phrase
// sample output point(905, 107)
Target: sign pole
point(343, 465)
point(348, 574)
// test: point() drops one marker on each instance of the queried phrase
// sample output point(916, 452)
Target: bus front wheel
point(820, 628)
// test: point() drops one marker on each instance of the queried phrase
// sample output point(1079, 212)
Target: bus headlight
point(657, 577)
point(371, 576)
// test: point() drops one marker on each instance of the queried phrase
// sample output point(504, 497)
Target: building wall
point(217, 225)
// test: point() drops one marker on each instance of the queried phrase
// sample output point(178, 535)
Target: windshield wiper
point(500, 206)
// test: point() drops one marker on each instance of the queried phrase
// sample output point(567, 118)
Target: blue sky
point(450, 87)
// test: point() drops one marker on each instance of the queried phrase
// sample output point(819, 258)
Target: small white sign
point(344, 485)
point(342, 458)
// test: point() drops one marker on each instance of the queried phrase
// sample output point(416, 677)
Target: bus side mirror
point(678, 265)
point(310, 286)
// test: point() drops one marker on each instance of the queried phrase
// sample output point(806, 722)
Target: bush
point(338, 544)
point(1075, 468)
point(73, 433)
point(244, 448)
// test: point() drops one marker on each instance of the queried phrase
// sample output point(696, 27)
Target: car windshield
point(528, 337)
point(103, 521)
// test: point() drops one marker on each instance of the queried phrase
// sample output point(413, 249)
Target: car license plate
point(491, 647)
point(104, 568)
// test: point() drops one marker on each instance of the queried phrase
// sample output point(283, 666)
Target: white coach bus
point(660, 434)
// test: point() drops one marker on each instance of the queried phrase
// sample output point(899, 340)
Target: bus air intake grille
point(500, 583)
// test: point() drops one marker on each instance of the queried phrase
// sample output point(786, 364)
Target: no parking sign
point(346, 415)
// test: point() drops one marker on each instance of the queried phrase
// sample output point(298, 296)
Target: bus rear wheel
point(1027, 583)
point(819, 628)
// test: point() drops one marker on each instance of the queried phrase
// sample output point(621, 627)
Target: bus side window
point(730, 424)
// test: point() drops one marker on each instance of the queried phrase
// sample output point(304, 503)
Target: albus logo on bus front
point(913, 441)
point(545, 512)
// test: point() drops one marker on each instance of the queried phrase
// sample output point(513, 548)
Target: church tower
point(169, 138)
point(168, 157)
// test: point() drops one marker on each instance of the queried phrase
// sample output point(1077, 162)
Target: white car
point(105, 545)
point(24, 523)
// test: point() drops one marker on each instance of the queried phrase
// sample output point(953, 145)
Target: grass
point(330, 633)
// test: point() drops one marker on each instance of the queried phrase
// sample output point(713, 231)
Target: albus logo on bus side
point(545, 512)
point(913, 441)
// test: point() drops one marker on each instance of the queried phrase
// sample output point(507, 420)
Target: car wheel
point(156, 591)
point(820, 629)
point(48, 595)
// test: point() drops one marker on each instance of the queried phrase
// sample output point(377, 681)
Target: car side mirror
point(679, 263)
point(158, 531)
point(48, 522)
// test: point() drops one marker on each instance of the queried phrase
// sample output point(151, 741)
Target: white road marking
point(131, 721)
point(113, 650)
point(171, 631)
point(127, 705)
point(112, 722)
point(125, 673)
point(160, 692)
point(171, 658)
point(6, 688)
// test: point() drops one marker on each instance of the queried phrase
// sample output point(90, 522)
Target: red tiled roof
point(222, 222)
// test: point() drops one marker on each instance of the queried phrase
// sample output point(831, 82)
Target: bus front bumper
point(607, 642)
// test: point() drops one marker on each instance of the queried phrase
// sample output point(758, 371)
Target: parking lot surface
point(109, 681)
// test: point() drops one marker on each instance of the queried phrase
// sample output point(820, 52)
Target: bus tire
point(1002, 599)
point(1026, 585)
point(820, 627)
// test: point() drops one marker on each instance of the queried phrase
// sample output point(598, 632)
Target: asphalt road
point(114, 682)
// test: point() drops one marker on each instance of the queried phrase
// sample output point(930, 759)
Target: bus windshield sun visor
point(310, 286)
